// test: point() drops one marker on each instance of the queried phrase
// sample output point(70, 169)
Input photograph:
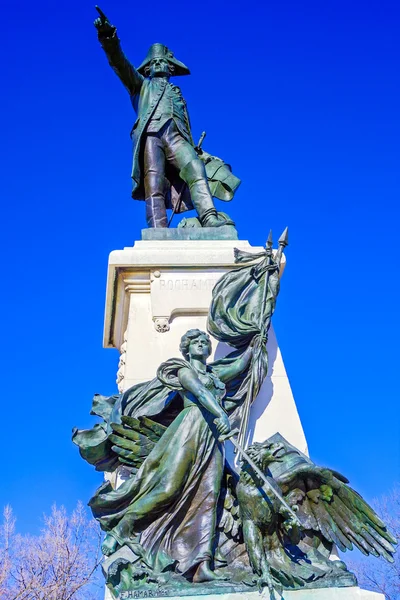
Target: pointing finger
point(102, 15)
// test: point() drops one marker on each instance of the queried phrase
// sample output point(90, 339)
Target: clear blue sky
point(302, 98)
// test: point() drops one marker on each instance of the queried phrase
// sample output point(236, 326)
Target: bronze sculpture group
point(182, 517)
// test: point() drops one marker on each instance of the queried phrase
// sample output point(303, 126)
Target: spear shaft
point(268, 253)
point(249, 396)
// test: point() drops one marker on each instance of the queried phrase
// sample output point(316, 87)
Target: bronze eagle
point(331, 513)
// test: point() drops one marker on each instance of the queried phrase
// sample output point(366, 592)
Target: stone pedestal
point(156, 291)
point(351, 593)
point(347, 593)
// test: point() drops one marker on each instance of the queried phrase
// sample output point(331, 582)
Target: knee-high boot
point(154, 187)
point(156, 215)
point(194, 175)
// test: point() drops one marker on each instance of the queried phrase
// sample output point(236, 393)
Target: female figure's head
point(195, 344)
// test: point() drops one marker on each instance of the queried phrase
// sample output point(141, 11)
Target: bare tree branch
point(376, 574)
point(59, 564)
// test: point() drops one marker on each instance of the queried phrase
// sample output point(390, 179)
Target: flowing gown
point(172, 501)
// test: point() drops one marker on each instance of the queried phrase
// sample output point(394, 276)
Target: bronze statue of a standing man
point(166, 165)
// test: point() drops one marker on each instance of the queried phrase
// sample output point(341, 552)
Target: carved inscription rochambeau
point(189, 284)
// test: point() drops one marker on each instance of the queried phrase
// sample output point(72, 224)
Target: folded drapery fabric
point(240, 315)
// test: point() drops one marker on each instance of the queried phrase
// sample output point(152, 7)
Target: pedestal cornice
point(133, 269)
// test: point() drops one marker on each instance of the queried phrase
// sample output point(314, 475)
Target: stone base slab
point(353, 593)
point(349, 593)
point(226, 232)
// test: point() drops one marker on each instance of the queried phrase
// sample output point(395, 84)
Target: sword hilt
point(200, 142)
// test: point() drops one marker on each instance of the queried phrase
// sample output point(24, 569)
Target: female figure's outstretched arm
point(238, 366)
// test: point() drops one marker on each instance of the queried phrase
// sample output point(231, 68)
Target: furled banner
point(240, 315)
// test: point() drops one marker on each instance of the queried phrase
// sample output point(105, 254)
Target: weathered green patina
point(168, 170)
point(285, 555)
point(166, 516)
point(182, 518)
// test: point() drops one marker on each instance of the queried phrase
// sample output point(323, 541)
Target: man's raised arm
point(108, 38)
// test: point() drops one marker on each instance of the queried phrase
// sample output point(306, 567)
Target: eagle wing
point(134, 439)
point(326, 504)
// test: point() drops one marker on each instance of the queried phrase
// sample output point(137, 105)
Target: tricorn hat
point(161, 51)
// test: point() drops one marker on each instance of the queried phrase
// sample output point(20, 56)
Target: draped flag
point(240, 315)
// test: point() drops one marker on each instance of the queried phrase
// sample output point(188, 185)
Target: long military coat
point(145, 96)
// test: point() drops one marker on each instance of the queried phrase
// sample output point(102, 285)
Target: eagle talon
point(264, 583)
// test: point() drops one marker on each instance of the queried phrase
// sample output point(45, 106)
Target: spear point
point(284, 239)
point(269, 240)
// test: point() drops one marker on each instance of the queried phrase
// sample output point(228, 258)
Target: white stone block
point(351, 593)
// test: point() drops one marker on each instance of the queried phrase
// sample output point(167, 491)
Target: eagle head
point(266, 453)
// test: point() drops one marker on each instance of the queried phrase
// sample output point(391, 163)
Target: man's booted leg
point(156, 215)
point(194, 175)
point(154, 182)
